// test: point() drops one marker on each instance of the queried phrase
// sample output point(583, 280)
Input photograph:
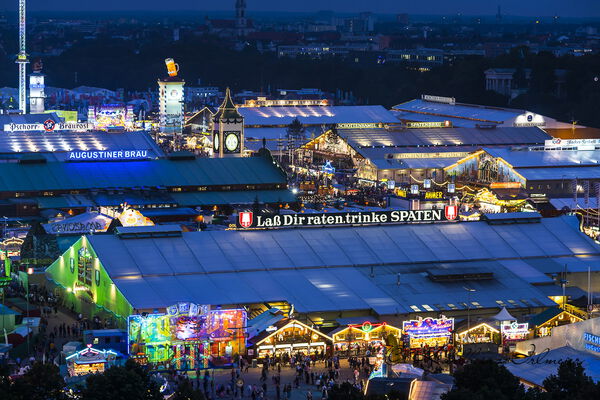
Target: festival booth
point(90, 361)
point(289, 336)
point(501, 329)
point(542, 324)
point(430, 332)
point(354, 339)
point(479, 332)
point(187, 337)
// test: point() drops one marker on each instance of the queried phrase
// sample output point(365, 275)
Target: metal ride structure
point(22, 58)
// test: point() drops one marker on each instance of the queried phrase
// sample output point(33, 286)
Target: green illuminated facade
point(83, 284)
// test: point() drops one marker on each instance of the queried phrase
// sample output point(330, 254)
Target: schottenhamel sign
point(251, 220)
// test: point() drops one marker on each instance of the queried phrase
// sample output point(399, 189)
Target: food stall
point(354, 339)
point(290, 336)
point(543, 323)
point(90, 361)
point(513, 331)
point(483, 332)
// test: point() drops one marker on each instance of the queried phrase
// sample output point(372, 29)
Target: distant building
point(36, 89)
point(403, 19)
point(232, 28)
point(500, 80)
point(504, 81)
point(87, 92)
point(437, 109)
point(422, 59)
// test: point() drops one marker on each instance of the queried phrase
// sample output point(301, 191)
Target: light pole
point(29, 273)
point(469, 291)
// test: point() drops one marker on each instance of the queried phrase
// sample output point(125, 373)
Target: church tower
point(228, 134)
point(241, 23)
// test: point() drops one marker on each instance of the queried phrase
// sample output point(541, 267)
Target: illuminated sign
point(111, 115)
point(349, 218)
point(427, 183)
point(505, 185)
point(514, 330)
point(438, 99)
point(451, 188)
point(358, 126)
point(529, 119)
point(434, 195)
point(414, 189)
point(78, 227)
point(557, 142)
point(47, 126)
point(82, 223)
point(328, 168)
point(96, 155)
point(366, 326)
point(428, 328)
point(429, 124)
point(401, 193)
point(441, 154)
point(592, 342)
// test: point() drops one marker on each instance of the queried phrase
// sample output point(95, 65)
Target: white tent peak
point(504, 315)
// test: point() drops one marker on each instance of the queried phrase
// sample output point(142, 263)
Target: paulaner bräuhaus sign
point(251, 220)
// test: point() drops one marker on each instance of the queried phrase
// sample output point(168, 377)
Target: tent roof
point(330, 268)
point(504, 315)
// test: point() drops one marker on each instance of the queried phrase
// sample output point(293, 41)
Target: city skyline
point(578, 8)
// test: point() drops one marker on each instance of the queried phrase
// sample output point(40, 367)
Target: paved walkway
point(252, 377)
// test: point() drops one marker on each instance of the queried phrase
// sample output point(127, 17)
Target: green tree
point(131, 382)
point(185, 391)
point(38, 247)
point(485, 380)
point(41, 382)
point(570, 382)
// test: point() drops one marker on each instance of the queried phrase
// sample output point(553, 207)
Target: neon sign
point(249, 220)
point(593, 342)
point(428, 327)
point(434, 195)
point(108, 155)
point(514, 330)
point(426, 125)
point(48, 126)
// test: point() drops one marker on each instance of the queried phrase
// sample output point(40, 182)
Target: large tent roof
point(316, 115)
point(17, 177)
point(452, 137)
point(58, 144)
point(523, 158)
point(380, 268)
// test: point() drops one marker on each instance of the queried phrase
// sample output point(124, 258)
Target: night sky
point(564, 8)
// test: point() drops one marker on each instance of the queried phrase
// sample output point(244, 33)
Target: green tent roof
point(15, 177)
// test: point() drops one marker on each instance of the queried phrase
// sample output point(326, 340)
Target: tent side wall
point(97, 295)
